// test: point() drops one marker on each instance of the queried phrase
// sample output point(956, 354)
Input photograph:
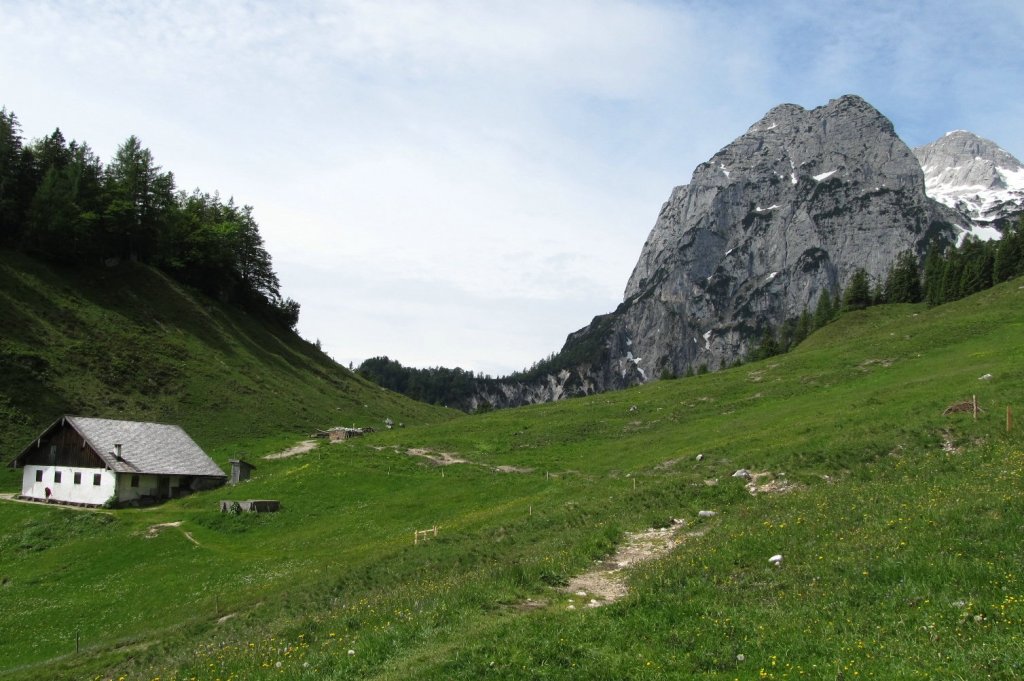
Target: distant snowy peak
point(974, 176)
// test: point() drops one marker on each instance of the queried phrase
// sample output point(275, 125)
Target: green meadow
point(128, 342)
point(899, 529)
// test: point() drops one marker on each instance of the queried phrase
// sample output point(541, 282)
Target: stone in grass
point(700, 457)
point(776, 560)
point(742, 473)
point(986, 377)
point(706, 514)
point(581, 593)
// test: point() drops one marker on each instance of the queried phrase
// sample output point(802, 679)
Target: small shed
point(340, 433)
point(240, 470)
point(250, 506)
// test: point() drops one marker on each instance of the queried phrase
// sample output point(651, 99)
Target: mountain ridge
point(790, 209)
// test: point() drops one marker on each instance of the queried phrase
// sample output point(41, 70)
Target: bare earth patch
point(439, 458)
point(449, 459)
point(765, 483)
point(154, 530)
point(606, 583)
point(301, 448)
point(512, 469)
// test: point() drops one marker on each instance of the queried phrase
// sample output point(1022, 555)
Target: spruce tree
point(933, 267)
point(1009, 258)
point(858, 293)
point(803, 327)
point(823, 312)
point(903, 285)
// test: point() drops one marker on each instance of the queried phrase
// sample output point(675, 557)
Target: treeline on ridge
point(58, 201)
point(949, 274)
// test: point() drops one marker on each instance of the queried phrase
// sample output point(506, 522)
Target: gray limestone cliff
point(790, 209)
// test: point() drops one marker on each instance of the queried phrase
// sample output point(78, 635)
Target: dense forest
point(58, 201)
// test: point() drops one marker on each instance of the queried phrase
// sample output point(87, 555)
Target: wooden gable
point(61, 445)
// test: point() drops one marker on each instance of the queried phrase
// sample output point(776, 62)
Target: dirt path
point(439, 458)
point(606, 583)
point(154, 530)
point(301, 448)
point(449, 459)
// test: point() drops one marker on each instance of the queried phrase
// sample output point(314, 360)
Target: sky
point(464, 183)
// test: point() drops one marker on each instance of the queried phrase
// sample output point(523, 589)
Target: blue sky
point(465, 183)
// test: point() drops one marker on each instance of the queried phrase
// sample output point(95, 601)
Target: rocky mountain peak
point(770, 171)
point(788, 210)
point(974, 176)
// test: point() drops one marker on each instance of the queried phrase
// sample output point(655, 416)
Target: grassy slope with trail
point(129, 342)
point(901, 558)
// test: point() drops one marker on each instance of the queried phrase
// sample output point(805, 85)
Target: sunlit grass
point(899, 535)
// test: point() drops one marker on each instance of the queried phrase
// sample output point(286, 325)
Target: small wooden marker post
point(974, 399)
point(78, 640)
point(418, 533)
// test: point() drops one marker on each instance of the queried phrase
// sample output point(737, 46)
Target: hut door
point(163, 487)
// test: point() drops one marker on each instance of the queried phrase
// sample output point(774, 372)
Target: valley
point(897, 527)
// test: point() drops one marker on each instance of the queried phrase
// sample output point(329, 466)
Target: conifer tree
point(1009, 258)
point(823, 312)
point(903, 285)
point(803, 327)
point(12, 202)
point(858, 293)
point(933, 269)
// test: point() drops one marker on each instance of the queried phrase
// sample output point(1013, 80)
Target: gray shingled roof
point(150, 448)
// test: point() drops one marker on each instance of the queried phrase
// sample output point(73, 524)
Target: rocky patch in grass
point(449, 459)
point(606, 583)
point(300, 448)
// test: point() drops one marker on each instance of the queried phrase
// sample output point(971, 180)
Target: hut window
point(39, 475)
point(96, 479)
point(135, 481)
point(56, 476)
point(78, 478)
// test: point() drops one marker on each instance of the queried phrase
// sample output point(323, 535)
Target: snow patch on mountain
point(974, 176)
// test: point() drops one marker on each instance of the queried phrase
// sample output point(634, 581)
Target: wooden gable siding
point(63, 446)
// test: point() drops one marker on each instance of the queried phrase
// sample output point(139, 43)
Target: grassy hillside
point(128, 342)
point(899, 529)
